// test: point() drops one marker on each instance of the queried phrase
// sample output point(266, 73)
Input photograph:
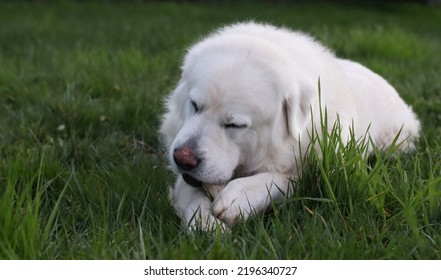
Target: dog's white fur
point(244, 104)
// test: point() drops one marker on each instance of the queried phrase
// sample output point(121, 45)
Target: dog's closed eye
point(234, 126)
point(194, 106)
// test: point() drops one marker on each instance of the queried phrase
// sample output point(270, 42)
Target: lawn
point(83, 174)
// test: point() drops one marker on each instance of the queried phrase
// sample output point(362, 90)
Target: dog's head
point(229, 112)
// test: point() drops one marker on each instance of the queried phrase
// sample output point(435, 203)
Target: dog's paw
point(205, 222)
point(234, 202)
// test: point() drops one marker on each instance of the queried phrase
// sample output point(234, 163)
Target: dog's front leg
point(194, 207)
point(244, 196)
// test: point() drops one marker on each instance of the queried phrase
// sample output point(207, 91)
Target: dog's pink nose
point(185, 158)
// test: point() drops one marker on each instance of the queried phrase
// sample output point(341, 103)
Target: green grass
point(83, 175)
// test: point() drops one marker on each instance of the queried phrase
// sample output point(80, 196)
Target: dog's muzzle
point(187, 160)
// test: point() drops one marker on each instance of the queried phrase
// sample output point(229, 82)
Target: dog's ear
point(296, 111)
point(174, 116)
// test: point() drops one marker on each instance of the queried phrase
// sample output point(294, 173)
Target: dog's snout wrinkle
point(185, 158)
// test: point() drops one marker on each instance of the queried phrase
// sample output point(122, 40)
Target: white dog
point(242, 109)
